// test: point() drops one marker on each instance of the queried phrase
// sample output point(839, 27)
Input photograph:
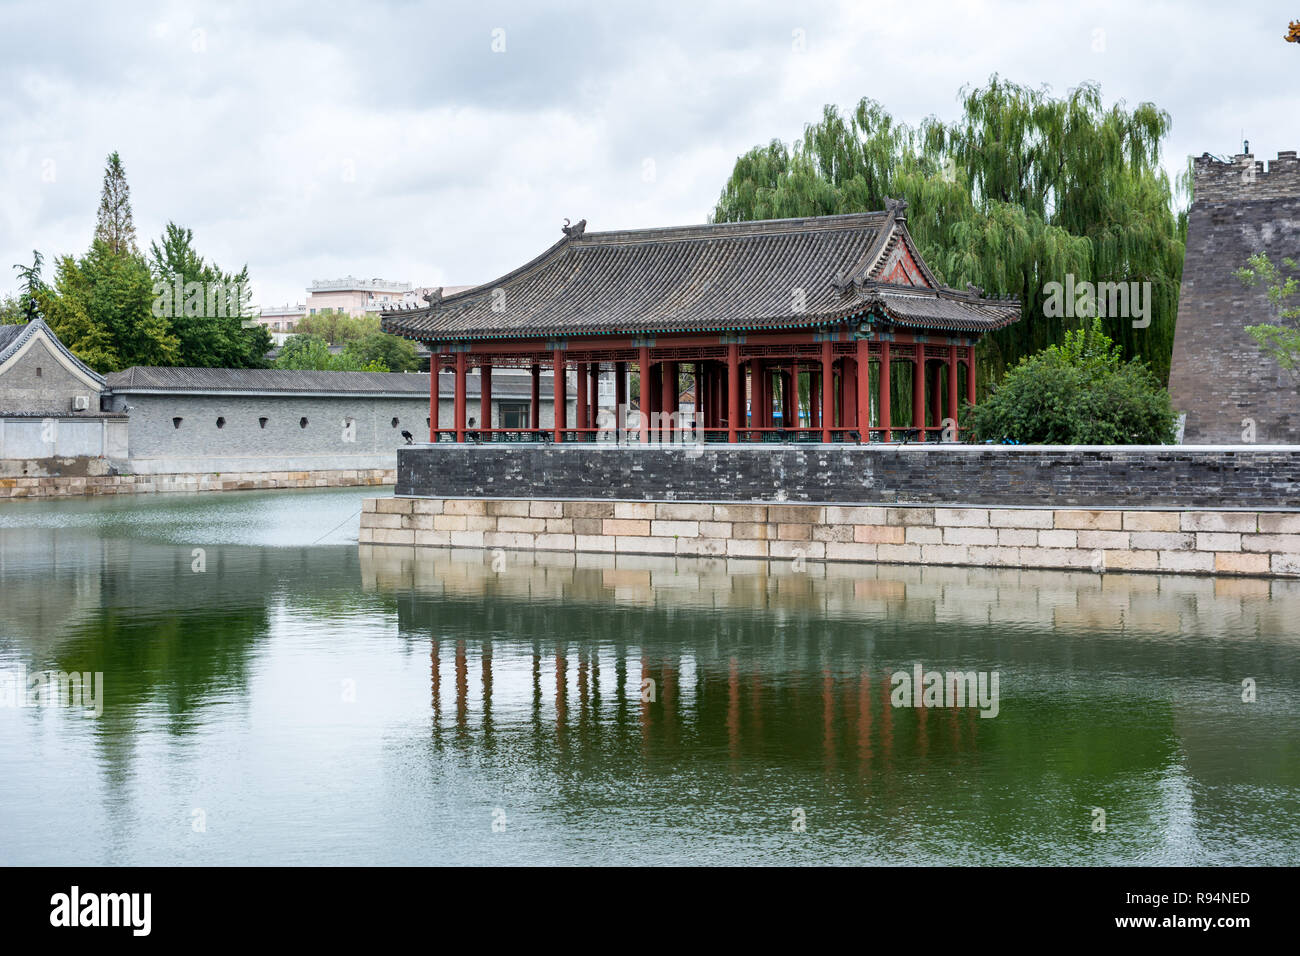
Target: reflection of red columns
point(560, 376)
point(735, 391)
point(733, 709)
point(952, 383)
point(459, 402)
point(864, 389)
point(918, 390)
point(643, 358)
point(970, 375)
point(485, 660)
point(535, 407)
point(828, 389)
point(561, 691)
point(485, 395)
point(433, 397)
point(462, 685)
point(582, 396)
point(884, 390)
point(435, 679)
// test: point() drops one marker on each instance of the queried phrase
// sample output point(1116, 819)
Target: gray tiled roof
point(13, 337)
point(716, 277)
point(397, 384)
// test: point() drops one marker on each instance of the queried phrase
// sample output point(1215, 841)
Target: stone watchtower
point(1219, 377)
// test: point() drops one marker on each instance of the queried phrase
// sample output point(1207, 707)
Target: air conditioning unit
point(80, 403)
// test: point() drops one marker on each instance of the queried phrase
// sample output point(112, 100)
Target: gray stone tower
point(1218, 375)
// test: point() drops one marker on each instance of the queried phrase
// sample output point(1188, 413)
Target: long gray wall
point(1102, 477)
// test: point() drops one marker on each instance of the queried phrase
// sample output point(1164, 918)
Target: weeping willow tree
point(1021, 191)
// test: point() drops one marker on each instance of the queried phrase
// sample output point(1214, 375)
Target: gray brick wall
point(1166, 476)
point(1218, 376)
point(152, 433)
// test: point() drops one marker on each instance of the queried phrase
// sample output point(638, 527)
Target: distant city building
point(281, 318)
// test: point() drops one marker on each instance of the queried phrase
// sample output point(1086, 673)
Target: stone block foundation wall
point(70, 486)
point(1166, 541)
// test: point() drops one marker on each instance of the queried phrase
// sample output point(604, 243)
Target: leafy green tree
point(337, 327)
point(11, 310)
point(115, 226)
point(100, 306)
point(1081, 392)
point(313, 352)
point(209, 325)
point(1280, 341)
point(26, 307)
point(388, 352)
point(1023, 189)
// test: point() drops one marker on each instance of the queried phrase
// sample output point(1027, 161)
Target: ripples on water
point(310, 701)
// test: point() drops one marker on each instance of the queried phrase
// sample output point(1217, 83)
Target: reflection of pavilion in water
point(753, 659)
point(615, 693)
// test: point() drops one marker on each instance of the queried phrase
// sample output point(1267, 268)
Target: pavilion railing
point(903, 435)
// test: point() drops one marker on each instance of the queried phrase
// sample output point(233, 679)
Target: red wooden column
point(558, 374)
point(459, 401)
point(952, 384)
point(735, 392)
point(937, 404)
point(850, 373)
point(582, 408)
point(593, 395)
point(620, 389)
point(643, 358)
point(433, 396)
point(535, 407)
point(864, 389)
point(828, 390)
point(485, 395)
point(814, 399)
point(970, 374)
point(668, 379)
point(918, 390)
point(884, 390)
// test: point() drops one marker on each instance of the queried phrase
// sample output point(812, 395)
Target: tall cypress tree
point(115, 227)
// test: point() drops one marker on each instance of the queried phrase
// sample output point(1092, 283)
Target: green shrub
point(1077, 393)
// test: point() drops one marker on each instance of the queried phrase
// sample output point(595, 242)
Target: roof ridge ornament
point(896, 208)
point(575, 231)
point(434, 297)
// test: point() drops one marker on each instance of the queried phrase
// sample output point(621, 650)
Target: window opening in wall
point(38, 371)
point(221, 422)
point(261, 422)
point(302, 422)
point(176, 422)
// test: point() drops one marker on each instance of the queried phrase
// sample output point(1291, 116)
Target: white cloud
point(389, 140)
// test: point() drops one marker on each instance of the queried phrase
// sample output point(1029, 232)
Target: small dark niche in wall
point(176, 422)
point(302, 422)
point(261, 422)
point(221, 422)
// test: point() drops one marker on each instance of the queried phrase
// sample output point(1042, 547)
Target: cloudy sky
point(445, 143)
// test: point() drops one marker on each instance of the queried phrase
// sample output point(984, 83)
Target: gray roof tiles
point(714, 277)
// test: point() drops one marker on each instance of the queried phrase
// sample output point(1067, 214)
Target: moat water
point(274, 694)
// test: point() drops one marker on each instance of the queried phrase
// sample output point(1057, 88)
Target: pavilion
point(790, 328)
